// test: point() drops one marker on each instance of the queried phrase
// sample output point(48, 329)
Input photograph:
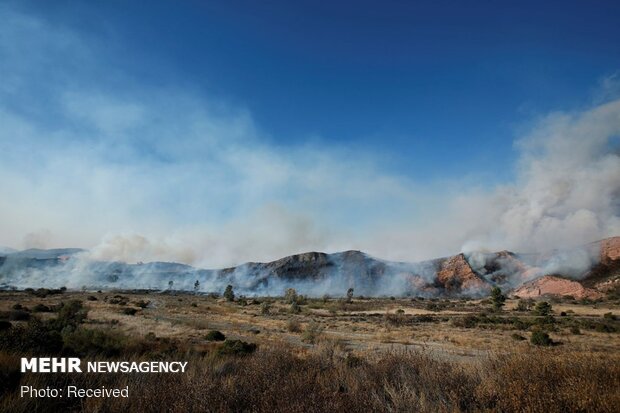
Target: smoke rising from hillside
point(160, 173)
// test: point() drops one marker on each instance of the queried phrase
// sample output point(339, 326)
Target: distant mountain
point(6, 250)
point(586, 271)
point(36, 253)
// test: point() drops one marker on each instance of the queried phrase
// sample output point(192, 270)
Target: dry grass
point(365, 356)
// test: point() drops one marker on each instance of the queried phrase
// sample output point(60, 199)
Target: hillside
point(586, 271)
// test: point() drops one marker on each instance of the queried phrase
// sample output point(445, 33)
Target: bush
point(229, 294)
point(41, 308)
point(130, 311)
point(91, 298)
point(18, 315)
point(215, 335)
point(265, 308)
point(70, 314)
point(236, 348)
point(311, 333)
point(610, 316)
point(295, 308)
point(469, 321)
point(90, 342)
point(542, 308)
point(290, 295)
point(517, 337)
point(35, 337)
point(293, 326)
point(143, 303)
point(540, 338)
point(575, 330)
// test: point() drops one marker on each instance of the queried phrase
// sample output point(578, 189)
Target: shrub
point(290, 295)
point(311, 333)
point(91, 342)
point(498, 299)
point(41, 308)
point(35, 337)
point(143, 303)
point(293, 325)
point(517, 336)
point(542, 308)
point(18, 315)
point(91, 298)
point(575, 330)
point(229, 294)
point(236, 348)
point(70, 314)
point(265, 308)
point(295, 308)
point(610, 316)
point(215, 335)
point(540, 338)
point(469, 321)
point(130, 311)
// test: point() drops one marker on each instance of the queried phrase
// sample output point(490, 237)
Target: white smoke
point(162, 174)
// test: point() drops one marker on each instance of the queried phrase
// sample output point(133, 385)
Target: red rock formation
point(455, 273)
point(552, 285)
point(610, 250)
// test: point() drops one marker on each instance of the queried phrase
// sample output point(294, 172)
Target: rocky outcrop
point(455, 274)
point(610, 250)
point(550, 285)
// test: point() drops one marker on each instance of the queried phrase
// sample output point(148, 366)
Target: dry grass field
point(318, 354)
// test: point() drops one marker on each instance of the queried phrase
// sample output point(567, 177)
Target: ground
point(367, 354)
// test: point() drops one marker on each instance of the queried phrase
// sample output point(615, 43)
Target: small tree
point(295, 308)
point(290, 295)
point(497, 298)
point(196, 285)
point(540, 338)
point(229, 294)
point(170, 284)
point(265, 308)
point(349, 295)
point(543, 308)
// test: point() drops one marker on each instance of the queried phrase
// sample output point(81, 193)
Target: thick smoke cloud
point(160, 173)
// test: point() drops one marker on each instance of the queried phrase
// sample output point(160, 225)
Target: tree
point(497, 298)
point(290, 296)
point(540, 338)
point(349, 295)
point(170, 284)
point(543, 308)
point(229, 294)
point(196, 285)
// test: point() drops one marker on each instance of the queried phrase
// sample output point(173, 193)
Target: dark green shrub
point(543, 308)
point(18, 315)
point(215, 335)
point(130, 311)
point(229, 294)
point(236, 348)
point(41, 308)
point(91, 342)
point(540, 338)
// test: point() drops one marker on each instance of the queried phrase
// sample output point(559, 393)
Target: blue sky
point(399, 105)
point(442, 86)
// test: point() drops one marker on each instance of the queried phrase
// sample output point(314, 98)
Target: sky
point(215, 133)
